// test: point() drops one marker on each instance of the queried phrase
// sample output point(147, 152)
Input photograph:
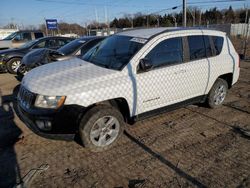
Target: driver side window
point(167, 52)
point(40, 45)
point(23, 37)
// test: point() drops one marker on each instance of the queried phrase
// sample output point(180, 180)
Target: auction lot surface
point(188, 147)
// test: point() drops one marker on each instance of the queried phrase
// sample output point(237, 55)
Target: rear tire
point(13, 64)
point(101, 127)
point(217, 93)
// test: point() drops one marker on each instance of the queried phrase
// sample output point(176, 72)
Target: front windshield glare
point(71, 47)
point(28, 44)
point(114, 52)
point(11, 36)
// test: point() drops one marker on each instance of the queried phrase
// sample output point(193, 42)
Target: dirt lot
point(192, 146)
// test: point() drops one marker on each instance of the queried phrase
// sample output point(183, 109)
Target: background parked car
point(77, 47)
point(10, 59)
point(19, 38)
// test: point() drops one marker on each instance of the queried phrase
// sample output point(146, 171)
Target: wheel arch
point(120, 104)
point(228, 77)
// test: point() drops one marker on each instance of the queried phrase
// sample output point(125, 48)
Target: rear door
point(197, 66)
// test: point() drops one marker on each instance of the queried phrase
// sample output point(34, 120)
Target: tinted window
point(38, 35)
point(40, 44)
point(167, 52)
point(52, 43)
point(196, 47)
point(208, 46)
point(27, 36)
point(23, 37)
point(62, 42)
point(89, 45)
point(218, 43)
point(71, 47)
point(114, 52)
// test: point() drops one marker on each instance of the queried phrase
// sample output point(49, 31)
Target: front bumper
point(64, 124)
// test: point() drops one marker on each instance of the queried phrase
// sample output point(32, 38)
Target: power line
point(218, 1)
point(88, 4)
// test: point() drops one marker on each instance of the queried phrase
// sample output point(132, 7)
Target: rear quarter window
point(218, 44)
point(62, 42)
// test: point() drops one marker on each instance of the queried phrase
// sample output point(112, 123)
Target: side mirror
point(145, 64)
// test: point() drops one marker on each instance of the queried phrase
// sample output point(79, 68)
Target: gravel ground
point(189, 147)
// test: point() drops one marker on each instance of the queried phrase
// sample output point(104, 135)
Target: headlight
point(52, 102)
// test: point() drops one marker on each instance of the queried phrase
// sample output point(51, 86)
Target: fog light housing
point(44, 125)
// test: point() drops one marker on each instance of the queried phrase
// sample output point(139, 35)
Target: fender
point(8, 57)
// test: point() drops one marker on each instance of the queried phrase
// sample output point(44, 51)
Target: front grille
point(25, 97)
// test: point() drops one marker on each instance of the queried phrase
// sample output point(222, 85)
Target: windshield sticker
point(139, 40)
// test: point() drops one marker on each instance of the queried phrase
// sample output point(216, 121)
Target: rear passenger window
point(26, 36)
point(218, 43)
point(62, 42)
point(208, 47)
point(196, 47)
point(167, 52)
point(51, 43)
point(40, 44)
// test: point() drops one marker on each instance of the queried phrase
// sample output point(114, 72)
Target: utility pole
point(194, 18)
point(147, 21)
point(200, 18)
point(175, 23)
point(46, 27)
point(184, 12)
point(246, 33)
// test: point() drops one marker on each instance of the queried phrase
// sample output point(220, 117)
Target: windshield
point(71, 47)
point(28, 44)
point(114, 52)
point(11, 36)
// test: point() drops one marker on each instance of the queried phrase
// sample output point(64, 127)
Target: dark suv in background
point(10, 59)
point(77, 47)
point(19, 38)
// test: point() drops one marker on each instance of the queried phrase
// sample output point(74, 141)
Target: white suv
point(127, 76)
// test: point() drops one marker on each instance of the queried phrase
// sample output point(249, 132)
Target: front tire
point(101, 127)
point(13, 64)
point(217, 93)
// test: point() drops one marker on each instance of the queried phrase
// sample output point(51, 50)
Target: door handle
point(180, 71)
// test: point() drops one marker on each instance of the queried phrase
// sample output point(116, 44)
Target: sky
point(33, 12)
